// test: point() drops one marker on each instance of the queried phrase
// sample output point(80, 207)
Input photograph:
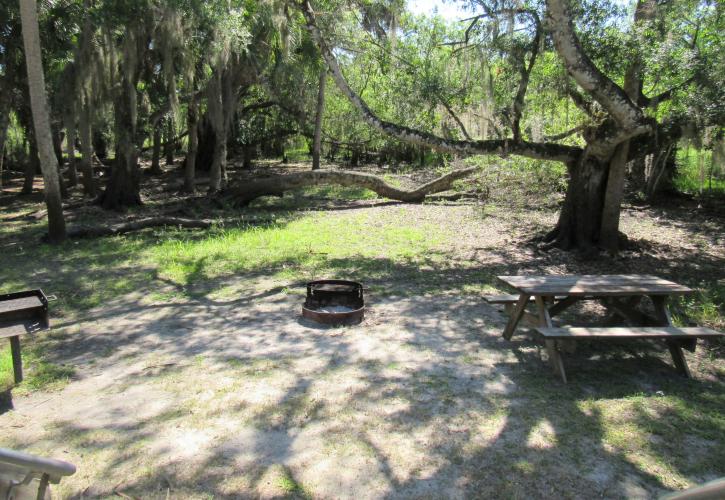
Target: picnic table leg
point(679, 358)
point(544, 317)
point(555, 359)
point(662, 313)
point(17, 361)
point(515, 316)
point(551, 345)
point(562, 304)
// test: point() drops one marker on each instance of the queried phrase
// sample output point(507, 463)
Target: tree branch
point(277, 185)
point(607, 93)
point(647, 102)
point(455, 117)
point(518, 105)
point(501, 147)
point(558, 137)
point(581, 102)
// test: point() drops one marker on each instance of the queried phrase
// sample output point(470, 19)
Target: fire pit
point(334, 302)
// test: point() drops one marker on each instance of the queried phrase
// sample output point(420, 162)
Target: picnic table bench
point(19, 473)
point(620, 295)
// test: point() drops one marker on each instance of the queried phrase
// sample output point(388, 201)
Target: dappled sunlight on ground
point(423, 398)
point(196, 375)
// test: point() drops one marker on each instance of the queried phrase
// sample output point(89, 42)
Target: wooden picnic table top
point(597, 285)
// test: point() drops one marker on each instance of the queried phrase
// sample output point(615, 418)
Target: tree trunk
point(4, 120)
point(247, 156)
point(580, 218)
point(205, 144)
point(156, 152)
point(317, 141)
point(55, 132)
point(644, 11)
point(70, 143)
point(609, 238)
point(170, 145)
point(137, 225)
point(216, 115)
point(5, 107)
point(41, 120)
point(662, 172)
point(84, 127)
point(122, 189)
point(190, 165)
point(33, 164)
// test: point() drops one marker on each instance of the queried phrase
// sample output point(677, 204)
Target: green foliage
point(690, 179)
point(706, 307)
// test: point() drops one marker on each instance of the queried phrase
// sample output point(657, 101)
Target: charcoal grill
point(22, 313)
point(334, 302)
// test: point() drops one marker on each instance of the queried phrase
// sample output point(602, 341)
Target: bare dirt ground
point(243, 398)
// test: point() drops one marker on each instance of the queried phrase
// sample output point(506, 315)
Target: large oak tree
point(590, 213)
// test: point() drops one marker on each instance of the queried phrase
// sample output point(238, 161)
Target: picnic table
point(620, 294)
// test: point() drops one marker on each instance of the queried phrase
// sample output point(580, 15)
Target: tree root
point(278, 184)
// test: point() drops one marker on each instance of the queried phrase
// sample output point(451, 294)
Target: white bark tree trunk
point(41, 120)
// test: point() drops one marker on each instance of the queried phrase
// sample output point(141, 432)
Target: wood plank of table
point(595, 285)
point(630, 332)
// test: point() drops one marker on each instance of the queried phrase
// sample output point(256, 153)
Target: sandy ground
point(244, 398)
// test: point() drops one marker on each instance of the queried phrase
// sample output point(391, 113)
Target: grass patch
point(705, 308)
point(171, 264)
point(38, 373)
point(285, 482)
point(6, 369)
point(311, 247)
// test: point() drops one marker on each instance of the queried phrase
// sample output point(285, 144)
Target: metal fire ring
point(331, 293)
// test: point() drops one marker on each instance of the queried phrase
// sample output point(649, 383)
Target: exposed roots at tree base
point(564, 240)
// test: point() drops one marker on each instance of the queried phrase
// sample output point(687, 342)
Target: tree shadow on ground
point(238, 398)
point(424, 399)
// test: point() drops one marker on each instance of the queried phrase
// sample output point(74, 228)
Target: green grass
point(289, 485)
point(38, 373)
point(706, 307)
point(310, 247)
point(6, 368)
point(87, 273)
point(687, 178)
point(169, 264)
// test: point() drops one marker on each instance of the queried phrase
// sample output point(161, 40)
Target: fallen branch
point(137, 225)
point(455, 196)
point(278, 184)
